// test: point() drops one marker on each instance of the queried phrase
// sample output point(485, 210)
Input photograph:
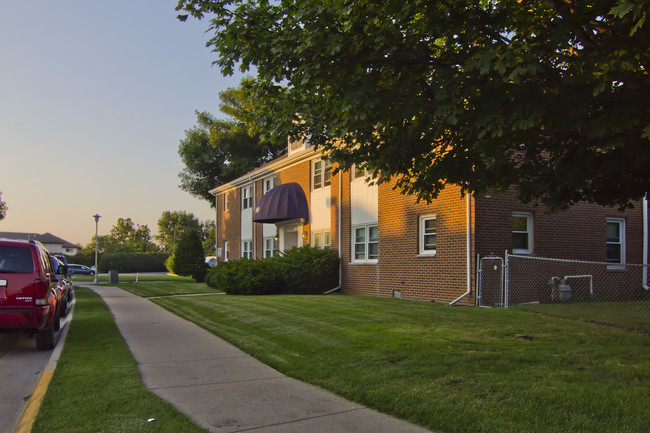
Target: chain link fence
point(599, 292)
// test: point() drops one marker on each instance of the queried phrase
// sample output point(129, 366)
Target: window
point(321, 174)
point(361, 173)
point(321, 239)
point(246, 197)
point(270, 247)
point(247, 249)
point(226, 251)
point(225, 202)
point(268, 184)
point(615, 241)
point(522, 233)
point(428, 235)
point(365, 243)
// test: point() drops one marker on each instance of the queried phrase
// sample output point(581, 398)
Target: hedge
point(133, 262)
point(304, 270)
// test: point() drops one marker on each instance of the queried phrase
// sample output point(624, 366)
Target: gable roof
point(45, 238)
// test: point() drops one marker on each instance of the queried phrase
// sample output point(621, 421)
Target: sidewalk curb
point(33, 404)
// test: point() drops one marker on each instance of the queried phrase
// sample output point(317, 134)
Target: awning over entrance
point(282, 203)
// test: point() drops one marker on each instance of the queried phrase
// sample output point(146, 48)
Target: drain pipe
point(339, 236)
point(645, 243)
point(469, 251)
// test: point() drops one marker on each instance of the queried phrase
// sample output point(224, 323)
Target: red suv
point(29, 298)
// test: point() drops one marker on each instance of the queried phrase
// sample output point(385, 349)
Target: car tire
point(45, 339)
point(92, 273)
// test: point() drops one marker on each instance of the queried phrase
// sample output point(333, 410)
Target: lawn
point(130, 278)
point(167, 288)
point(632, 315)
point(96, 386)
point(449, 369)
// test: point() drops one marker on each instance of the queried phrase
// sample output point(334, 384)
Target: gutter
point(469, 251)
point(340, 205)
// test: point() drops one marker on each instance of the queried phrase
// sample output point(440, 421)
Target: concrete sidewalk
point(222, 388)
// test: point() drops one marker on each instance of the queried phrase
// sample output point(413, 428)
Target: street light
point(96, 216)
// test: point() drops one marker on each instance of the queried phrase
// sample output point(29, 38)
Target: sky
point(95, 97)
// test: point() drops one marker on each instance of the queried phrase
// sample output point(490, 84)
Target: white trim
point(421, 235)
point(621, 242)
point(247, 249)
point(529, 231)
point(366, 243)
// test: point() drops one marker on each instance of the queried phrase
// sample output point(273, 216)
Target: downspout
point(469, 250)
point(250, 178)
point(645, 243)
point(338, 230)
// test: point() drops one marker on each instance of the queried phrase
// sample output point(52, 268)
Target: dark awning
point(282, 203)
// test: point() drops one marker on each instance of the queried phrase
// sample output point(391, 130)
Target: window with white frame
point(268, 184)
point(226, 251)
point(428, 235)
point(361, 173)
point(365, 243)
point(522, 233)
point(247, 249)
point(270, 247)
point(225, 202)
point(321, 174)
point(321, 239)
point(615, 242)
point(246, 197)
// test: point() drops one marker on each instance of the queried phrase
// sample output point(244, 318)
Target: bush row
point(304, 270)
point(133, 262)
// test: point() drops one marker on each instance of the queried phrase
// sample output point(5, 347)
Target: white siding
point(268, 230)
point(364, 202)
point(247, 224)
point(320, 209)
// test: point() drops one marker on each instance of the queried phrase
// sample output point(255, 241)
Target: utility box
point(113, 277)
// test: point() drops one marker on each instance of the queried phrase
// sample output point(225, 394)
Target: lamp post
point(96, 216)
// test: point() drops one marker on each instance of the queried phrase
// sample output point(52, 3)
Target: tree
point(189, 259)
point(171, 226)
point(3, 208)
point(545, 95)
point(216, 151)
point(208, 236)
point(133, 236)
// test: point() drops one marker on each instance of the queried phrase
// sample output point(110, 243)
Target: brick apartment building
point(391, 246)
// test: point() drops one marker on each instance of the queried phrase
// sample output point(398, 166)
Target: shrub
point(299, 271)
point(132, 262)
point(188, 256)
point(310, 270)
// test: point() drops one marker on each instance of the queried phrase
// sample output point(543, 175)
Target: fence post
point(506, 280)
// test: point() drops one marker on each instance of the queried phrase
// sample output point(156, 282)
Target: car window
point(16, 260)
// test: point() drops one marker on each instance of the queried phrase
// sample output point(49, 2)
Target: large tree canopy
point(217, 151)
point(550, 96)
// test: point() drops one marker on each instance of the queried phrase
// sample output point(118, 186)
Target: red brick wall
point(578, 233)
point(229, 223)
point(441, 278)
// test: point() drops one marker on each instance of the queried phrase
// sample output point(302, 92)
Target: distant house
point(54, 244)
point(392, 246)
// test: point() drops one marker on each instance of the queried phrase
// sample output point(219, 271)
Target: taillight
point(41, 291)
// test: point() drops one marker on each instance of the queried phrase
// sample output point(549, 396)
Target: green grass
point(633, 315)
point(166, 288)
point(96, 386)
point(448, 369)
point(131, 278)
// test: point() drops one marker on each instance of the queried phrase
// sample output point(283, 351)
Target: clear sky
point(94, 99)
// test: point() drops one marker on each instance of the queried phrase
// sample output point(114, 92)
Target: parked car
point(211, 261)
point(64, 283)
point(30, 300)
point(80, 269)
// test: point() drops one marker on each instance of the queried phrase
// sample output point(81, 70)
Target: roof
point(45, 238)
